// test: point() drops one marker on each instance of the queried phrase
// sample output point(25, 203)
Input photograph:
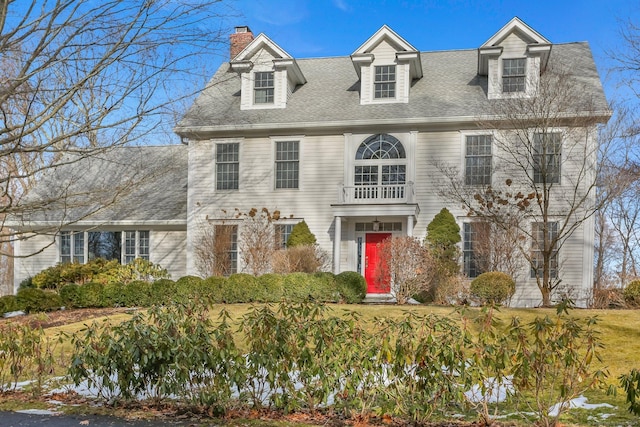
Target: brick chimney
point(239, 40)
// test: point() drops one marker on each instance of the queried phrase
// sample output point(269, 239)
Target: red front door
point(377, 281)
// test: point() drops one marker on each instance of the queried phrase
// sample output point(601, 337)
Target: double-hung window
point(478, 160)
point(542, 240)
point(225, 249)
point(227, 166)
point(263, 87)
point(547, 151)
point(287, 164)
point(384, 82)
point(83, 246)
point(136, 245)
point(513, 75)
point(476, 237)
point(282, 233)
point(72, 247)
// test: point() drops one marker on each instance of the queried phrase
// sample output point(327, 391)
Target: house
point(350, 144)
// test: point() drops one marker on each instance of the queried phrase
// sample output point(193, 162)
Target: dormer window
point(385, 82)
point(268, 75)
point(263, 87)
point(387, 65)
point(513, 60)
point(513, 75)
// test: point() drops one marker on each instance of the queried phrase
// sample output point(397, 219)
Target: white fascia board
point(291, 65)
point(205, 131)
point(415, 65)
point(516, 24)
point(484, 53)
point(259, 42)
point(361, 59)
point(376, 209)
point(381, 34)
point(241, 66)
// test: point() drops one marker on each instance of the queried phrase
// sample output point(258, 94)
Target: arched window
point(381, 146)
point(380, 161)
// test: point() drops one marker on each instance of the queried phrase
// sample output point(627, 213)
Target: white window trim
point(274, 145)
point(238, 224)
point(85, 236)
point(463, 152)
point(215, 165)
point(563, 136)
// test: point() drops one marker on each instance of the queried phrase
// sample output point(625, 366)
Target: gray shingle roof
point(132, 184)
point(449, 89)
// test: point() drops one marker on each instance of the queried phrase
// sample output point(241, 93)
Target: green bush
point(9, 303)
point(189, 288)
point(242, 287)
point(304, 287)
point(70, 295)
point(632, 293)
point(27, 283)
point(352, 286)
point(272, 285)
point(91, 295)
point(163, 291)
point(36, 300)
point(301, 235)
point(136, 294)
point(493, 287)
point(113, 294)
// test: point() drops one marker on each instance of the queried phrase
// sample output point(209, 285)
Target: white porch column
point(337, 239)
point(410, 226)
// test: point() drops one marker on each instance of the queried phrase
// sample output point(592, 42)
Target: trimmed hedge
point(33, 300)
point(352, 286)
point(493, 287)
point(349, 287)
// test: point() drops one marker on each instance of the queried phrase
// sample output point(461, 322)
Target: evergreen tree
point(443, 233)
point(301, 235)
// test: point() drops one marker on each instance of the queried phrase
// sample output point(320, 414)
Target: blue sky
point(317, 28)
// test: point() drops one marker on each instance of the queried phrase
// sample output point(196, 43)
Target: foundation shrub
point(113, 294)
point(352, 286)
point(163, 291)
point(242, 287)
point(70, 295)
point(632, 294)
point(273, 286)
point(9, 303)
point(136, 294)
point(212, 289)
point(91, 295)
point(304, 287)
point(188, 287)
point(493, 287)
point(34, 300)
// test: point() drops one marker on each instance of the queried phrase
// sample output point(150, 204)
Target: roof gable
point(261, 42)
point(516, 25)
point(387, 34)
point(405, 52)
point(282, 60)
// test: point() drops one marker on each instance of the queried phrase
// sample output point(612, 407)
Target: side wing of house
point(127, 203)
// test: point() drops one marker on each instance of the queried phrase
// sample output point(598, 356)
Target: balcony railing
point(365, 194)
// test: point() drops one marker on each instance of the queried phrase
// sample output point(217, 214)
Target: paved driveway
point(15, 419)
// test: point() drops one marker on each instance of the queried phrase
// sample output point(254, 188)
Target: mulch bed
point(62, 317)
